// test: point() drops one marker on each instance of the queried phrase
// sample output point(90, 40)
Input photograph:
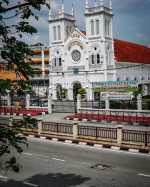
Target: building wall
point(133, 71)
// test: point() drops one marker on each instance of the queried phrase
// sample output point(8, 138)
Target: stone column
point(107, 104)
point(78, 103)
point(50, 104)
point(8, 98)
point(70, 94)
point(139, 102)
point(27, 101)
point(89, 93)
point(39, 126)
point(119, 135)
point(75, 130)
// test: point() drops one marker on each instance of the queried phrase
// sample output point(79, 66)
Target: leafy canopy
point(14, 23)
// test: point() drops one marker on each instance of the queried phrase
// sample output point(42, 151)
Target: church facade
point(91, 59)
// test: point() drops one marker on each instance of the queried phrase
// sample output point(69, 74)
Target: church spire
point(50, 10)
point(95, 3)
point(62, 7)
point(86, 4)
point(72, 10)
point(101, 3)
point(110, 4)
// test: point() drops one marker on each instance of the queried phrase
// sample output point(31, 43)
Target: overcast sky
point(131, 20)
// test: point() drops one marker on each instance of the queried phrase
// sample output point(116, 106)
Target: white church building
point(92, 58)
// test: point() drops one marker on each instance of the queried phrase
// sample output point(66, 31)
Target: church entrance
point(59, 92)
point(76, 87)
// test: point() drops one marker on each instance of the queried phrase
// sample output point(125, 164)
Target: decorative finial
point(95, 3)
point(110, 4)
point(101, 2)
point(86, 4)
point(50, 10)
point(72, 11)
point(62, 7)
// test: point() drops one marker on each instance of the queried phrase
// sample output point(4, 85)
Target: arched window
point(60, 61)
point(93, 59)
point(59, 32)
point(97, 27)
point(92, 27)
point(54, 33)
point(135, 78)
point(142, 79)
point(55, 62)
point(98, 59)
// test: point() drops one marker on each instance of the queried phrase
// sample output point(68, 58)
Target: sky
point(130, 21)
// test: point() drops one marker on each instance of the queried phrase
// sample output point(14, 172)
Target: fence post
point(139, 102)
point(27, 101)
point(10, 122)
point(75, 130)
point(119, 135)
point(39, 123)
point(146, 139)
point(107, 104)
point(78, 103)
point(8, 98)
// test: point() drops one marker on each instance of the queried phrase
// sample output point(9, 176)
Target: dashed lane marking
point(3, 177)
point(143, 175)
point(58, 159)
point(30, 184)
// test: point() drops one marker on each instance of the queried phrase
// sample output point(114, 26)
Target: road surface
point(54, 164)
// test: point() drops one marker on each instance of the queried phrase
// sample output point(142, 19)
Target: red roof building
point(131, 52)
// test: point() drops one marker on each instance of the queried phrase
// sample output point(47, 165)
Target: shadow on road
point(48, 180)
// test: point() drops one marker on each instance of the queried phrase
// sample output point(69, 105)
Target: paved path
point(59, 118)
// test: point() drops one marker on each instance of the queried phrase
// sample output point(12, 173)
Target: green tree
point(14, 52)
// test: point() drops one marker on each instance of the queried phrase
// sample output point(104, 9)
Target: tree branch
point(15, 7)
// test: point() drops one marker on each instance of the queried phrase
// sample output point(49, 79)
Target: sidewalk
point(59, 118)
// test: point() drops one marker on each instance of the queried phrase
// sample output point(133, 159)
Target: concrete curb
point(20, 114)
point(88, 144)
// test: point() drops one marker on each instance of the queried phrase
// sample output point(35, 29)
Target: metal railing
point(136, 136)
point(97, 132)
point(57, 127)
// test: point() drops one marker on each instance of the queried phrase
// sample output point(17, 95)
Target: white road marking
point(58, 159)
point(29, 154)
point(144, 175)
point(30, 184)
point(3, 177)
point(37, 155)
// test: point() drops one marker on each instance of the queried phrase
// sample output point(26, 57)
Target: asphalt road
point(54, 164)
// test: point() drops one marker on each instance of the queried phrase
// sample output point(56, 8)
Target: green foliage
point(4, 85)
point(14, 22)
point(82, 91)
point(10, 139)
point(28, 121)
point(64, 92)
point(15, 50)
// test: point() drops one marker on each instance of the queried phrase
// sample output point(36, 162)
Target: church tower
point(61, 25)
point(100, 38)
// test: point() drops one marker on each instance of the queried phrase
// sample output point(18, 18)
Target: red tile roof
point(131, 52)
